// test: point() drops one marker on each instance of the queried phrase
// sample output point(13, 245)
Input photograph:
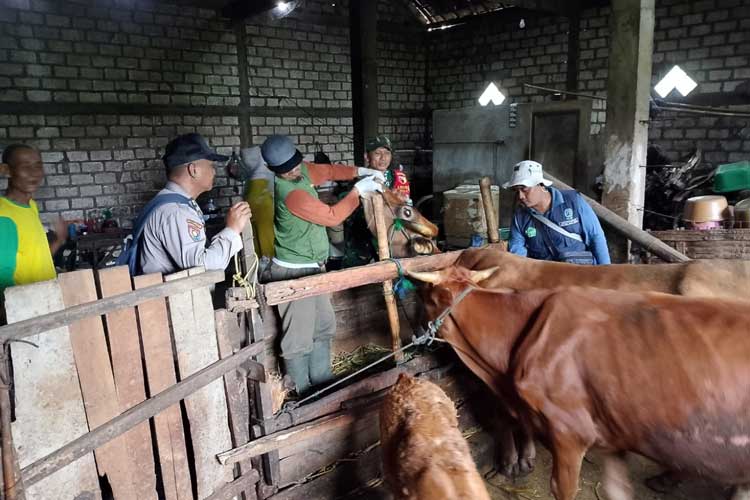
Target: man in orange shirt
point(301, 248)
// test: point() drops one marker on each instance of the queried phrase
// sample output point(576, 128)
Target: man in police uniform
point(551, 224)
point(174, 237)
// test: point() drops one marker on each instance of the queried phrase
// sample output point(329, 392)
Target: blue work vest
point(539, 238)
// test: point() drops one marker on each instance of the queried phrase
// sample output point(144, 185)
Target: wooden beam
point(336, 401)
point(279, 292)
point(291, 436)
point(65, 317)
point(242, 484)
point(56, 460)
point(384, 253)
point(485, 189)
point(345, 416)
point(246, 135)
point(633, 233)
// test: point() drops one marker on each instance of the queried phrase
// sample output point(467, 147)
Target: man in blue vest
point(551, 224)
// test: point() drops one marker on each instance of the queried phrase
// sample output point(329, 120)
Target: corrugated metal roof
point(441, 11)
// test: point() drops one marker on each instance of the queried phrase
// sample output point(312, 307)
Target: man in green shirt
point(301, 249)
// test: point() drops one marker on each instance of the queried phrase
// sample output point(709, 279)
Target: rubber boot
point(299, 370)
point(320, 363)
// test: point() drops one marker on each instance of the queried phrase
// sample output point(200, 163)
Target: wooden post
point(485, 188)
point(385, 253)
point(261, 390)
point(12, 482)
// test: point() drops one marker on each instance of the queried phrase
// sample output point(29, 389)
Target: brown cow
point(697, 278)
point(425, 457)
point(574, 363)
point(416, 233)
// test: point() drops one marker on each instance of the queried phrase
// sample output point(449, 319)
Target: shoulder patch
point(531, 231)
point(194, 229)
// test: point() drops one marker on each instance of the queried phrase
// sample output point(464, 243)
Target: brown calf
point(425, 457)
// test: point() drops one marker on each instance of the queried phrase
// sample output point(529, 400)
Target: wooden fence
point(125, 384)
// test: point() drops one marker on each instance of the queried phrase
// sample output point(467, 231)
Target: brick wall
point(93, 162)
point(464, 59)
point(110, 53)
point(85, 88)
point(402, 70)
point(709, 39)
point(301, 65)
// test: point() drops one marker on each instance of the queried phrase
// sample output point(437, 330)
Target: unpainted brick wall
point(77, 54)
point(94, 162)
point(465, 59)
point(709, 39)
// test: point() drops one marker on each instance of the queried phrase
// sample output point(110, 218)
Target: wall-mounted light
point(675, 79)
point(491, 94)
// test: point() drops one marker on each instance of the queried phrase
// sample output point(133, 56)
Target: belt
point(292, 265)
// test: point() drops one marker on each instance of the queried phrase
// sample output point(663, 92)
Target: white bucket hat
point(527, 173)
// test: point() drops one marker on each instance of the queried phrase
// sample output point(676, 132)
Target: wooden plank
point(97, 382)
point(127, 367)
point(286, 437)
point(134, 416)
point(384, 253)
point(160, 373)
point(306, 457)
point(264, 407)
point(237, 487)
point(53, 320)
point(10, 480)
point(49, 405)
point(192, 315)
point(230, 339)
point(279, 292)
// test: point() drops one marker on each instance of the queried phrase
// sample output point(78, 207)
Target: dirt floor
point(536, 485)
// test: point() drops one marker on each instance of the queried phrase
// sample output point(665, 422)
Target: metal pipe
point(565, 92)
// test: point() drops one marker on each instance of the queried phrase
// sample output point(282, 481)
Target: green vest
point(296, 240)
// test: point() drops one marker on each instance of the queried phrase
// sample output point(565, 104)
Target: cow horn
point(428, 277)
point(477, 276)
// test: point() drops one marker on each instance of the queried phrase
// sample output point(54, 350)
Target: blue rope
point(403, 286)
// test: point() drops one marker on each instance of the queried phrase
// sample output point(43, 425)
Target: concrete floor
point(536, 485)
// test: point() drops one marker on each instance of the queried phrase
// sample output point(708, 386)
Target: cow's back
point(425, 457)
point(663, 376)
point(697, 278)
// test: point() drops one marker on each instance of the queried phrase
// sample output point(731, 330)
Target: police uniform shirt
point(174, 238)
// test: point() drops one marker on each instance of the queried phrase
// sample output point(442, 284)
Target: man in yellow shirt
point(25, 254)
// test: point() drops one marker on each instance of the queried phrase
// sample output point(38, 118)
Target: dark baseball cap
point(380, 141)
point(189, 147)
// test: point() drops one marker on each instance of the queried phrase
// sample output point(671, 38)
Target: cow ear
point(477, 276)
point(433, 277)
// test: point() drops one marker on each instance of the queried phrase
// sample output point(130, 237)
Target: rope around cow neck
point(427, 338)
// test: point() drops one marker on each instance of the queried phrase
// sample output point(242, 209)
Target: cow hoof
point(516, 469)
point(526, 466)
point(666, 482)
